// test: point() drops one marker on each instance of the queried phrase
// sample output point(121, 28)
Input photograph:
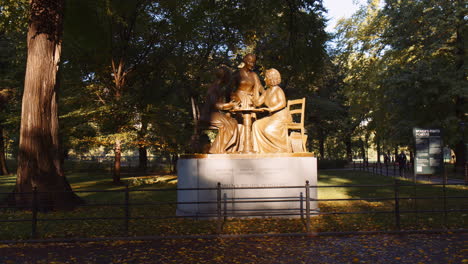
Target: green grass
point(428, 220)
point(84, 183)
point(453, 173)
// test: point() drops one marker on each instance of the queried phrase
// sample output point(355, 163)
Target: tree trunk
point(174, 159)
point(379, 149)
point(142, 158)
point(460, 155)
point(39, 158)
point(321, 143)
point(117, 162)
point(3, 165)
point(349, 150)
point(142, 152)
point(363, 149)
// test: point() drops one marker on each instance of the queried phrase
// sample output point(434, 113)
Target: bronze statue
point(246, 83)
point(212, 117)
point(269, 133)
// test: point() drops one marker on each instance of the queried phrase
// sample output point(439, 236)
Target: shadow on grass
point(159, 217)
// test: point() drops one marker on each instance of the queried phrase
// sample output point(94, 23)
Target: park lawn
point(161, 188)
point(452, 173)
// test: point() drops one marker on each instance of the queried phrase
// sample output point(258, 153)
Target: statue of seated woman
point(269, 133)
point(211, 116)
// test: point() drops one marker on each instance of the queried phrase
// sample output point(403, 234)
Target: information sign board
point(429, 151)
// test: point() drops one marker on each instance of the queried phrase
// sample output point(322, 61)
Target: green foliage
point(425, 74)
point(13, 28)
point(402, 67)
point(140, 62)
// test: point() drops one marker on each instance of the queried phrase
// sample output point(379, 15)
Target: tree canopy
point(129, 70)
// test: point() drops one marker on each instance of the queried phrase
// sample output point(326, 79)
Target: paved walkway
point(415, 248)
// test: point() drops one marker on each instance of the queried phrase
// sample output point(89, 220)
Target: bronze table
point(247, 123)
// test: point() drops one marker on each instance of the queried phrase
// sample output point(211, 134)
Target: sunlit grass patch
point(152, 201)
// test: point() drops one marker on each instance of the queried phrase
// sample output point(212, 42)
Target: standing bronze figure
point(246, 83)
point(246, 86)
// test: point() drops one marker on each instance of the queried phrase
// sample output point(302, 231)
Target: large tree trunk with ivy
point(39, 157)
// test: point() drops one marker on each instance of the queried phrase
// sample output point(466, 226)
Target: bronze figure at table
point(249, 100)
point(212, 117)
point(269, 134)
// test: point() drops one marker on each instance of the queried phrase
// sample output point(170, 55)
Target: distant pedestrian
point(401, 159)
point(386, 159)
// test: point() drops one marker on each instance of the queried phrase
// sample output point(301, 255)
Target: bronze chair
point(296, 109)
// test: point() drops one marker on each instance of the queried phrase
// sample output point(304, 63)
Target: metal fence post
point(34, 214)
point(307, 191)
point(225, 206)
point(397, 205)
point(127, 209)
point(301, 205)
point(219, 225)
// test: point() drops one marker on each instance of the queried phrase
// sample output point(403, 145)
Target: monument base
point(253, 185)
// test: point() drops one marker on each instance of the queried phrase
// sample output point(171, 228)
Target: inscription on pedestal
point(265, 172)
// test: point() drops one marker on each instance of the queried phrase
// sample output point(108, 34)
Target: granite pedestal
point(268, 171)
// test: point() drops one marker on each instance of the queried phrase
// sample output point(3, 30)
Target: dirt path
point(435, 248)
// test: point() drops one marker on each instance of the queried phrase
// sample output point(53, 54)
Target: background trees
point(130, 69)
point(402, 67)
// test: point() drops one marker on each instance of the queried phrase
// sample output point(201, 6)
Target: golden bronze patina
point(270, 133)
point(266, 135)
point(246, 83)
point(213, 118)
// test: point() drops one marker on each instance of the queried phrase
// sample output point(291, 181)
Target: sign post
point(429, 151)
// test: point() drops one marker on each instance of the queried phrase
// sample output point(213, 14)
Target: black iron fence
point(451, 204)
point(387, 169)
point(393, 169)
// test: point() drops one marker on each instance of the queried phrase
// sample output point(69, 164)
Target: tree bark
point(321, 143)
point(142, 151)
point(379, 149)
point(363, 149)
point(3, 165)
point(117, 162)
point(142, 158)
point(174, 158)
point(349, 150)
point(39, 158)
